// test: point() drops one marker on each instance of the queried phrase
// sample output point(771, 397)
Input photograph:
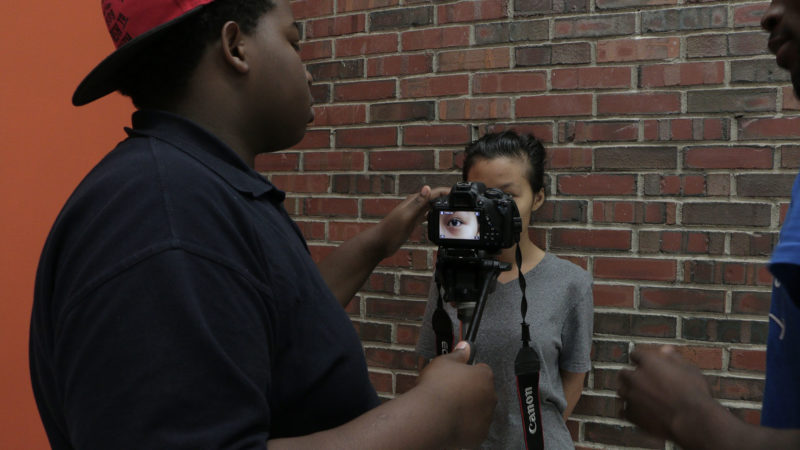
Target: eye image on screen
point(458, 225)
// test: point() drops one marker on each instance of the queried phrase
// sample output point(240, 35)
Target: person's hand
point(398, 225)
point(467, 391)
point(664, 394)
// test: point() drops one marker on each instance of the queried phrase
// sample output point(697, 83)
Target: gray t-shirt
point(560, 312)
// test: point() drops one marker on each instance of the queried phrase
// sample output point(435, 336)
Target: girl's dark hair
point(509, 144)
point(159, 76)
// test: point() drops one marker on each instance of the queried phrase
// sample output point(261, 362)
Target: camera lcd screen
point(461, 225)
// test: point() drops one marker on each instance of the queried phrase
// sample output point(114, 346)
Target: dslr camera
point(469, 225)
point(473, 217)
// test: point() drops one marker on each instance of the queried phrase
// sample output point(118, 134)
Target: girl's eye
point(454, 222)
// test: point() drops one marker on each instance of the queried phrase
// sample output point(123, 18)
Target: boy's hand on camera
point(405, 217)
point(467, 393)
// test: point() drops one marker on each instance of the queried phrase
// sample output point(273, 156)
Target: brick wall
point(670, 133)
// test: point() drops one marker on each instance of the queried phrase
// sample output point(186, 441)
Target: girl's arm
point(573, 387)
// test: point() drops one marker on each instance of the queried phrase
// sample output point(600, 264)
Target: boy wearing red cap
point(176, 304)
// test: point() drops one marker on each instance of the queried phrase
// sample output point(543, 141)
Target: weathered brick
point(516, 31)
point(757, 71)
point(335, 26)
point(731, 100)
point(685, 74)
point(620, 50)
point(554, 105)
point(639, 103)
point(310, 51)
point(365, 45)
point(766, 185)
point(624, 4)
point(720, 330)
point(565, 238)
point(600, 26)
point(475, 109)
point(748, 15)
point(400, 160)
point(596, 184)
point(598, 131)
point(538, 7)
point(363, 184)
point(366, 137)
point(400, 19)
point(429, 86)
point(509, 82)
point(634, 324)
point(772, 128)
point(573, 53)
point(364, 90)
point(746, 44)
point(684, 19)
point(635, 269)
point(705, 46)
point(336, 70)
point(360, 5)
point(473, 59)
point(339, 160)
point(402, 111)
point(735, 214)
point(277, 162)
point(339, 115)
point(472, 10)
point(682, 299)
point(303, 9)
point(399, 65)
point(621, 158)
point(435, 135)
point(435, 38)
point(591, 78)
point(728, 158)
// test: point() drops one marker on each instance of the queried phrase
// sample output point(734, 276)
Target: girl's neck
point(532, 255)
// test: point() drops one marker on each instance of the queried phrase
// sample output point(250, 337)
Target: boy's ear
point(538, 200)
point(233, 47)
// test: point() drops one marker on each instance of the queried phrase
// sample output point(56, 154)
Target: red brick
point(475, 109)
point(635, 269)
point(613, 296)
point(303, 9)
point(474, 59)
point(435, 38)
point(472, 10)
point(402, 111)
point(382, 382)
point(686, 74)
point(364, 90)
point(590, 239)
point(394, 359)
point(775, 128)
point(435, 135)
point(315, 139)
point(596, 184)
point(790, 101)
point(728, 158)
point(749, 360)
point(602, 131)
point(554, 105)
point(569, 158)
point(365, 45)
point(434, 86)
point(340, 115)
point(277, 162)
point(749, 14)
point(399, 65)
point(407, 334)
point(360, 5)
point(681, 299)
point(330, 207)
point(620, 50)
point(493, 83)
point(333, 161)
point(302, 183)
point(378, 207)
point(312, 230)
point(366, 137)
point(640, 103)
point(310, 51)
point(591, 78)
point(336, 26)
point(401, 160)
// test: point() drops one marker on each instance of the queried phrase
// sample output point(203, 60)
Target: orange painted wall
point(46, 146)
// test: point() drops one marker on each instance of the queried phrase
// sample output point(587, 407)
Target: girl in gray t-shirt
point(559, 297)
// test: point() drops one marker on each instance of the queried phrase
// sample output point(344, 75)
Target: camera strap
point(442, 326)
point(526, 368)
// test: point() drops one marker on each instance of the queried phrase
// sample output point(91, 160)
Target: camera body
point(473, 217)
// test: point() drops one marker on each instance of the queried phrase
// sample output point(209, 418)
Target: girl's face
point(509, 175)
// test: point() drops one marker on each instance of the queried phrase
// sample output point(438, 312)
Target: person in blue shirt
point(176, 303)
point(669, 397)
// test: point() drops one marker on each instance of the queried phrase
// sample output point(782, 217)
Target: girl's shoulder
point(565, 270)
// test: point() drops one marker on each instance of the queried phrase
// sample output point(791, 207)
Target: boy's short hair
point(159, 76)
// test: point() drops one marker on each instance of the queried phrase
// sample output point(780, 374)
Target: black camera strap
point(526, 368)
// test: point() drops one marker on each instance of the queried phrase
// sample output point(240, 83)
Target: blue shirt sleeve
point(785, 264)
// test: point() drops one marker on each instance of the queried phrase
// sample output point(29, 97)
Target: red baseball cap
point(132, 24)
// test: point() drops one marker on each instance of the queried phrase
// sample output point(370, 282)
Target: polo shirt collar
point(200, 144)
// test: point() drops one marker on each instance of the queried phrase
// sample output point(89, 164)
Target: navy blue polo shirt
point(176, 306)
